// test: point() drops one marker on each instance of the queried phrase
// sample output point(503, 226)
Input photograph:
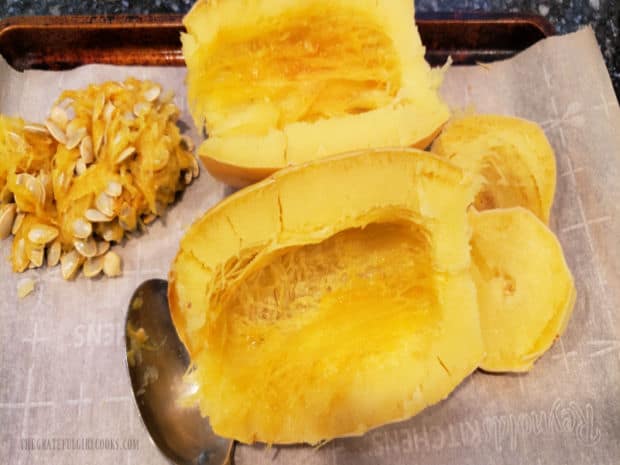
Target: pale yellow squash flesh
point(512, 156)
point(330, 298)
point(525, 289)
point(281, 82)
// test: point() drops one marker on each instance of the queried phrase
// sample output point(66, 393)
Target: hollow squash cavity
point(505, 187)
point(312, 66)
point(341, 283)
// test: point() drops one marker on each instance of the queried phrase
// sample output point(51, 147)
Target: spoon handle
point(230, 455)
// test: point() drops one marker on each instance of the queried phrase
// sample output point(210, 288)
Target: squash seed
point(86, 248)
point(111, 264)
point(35, 186)
point(95, 216)
point(125, 154)
point(60, 179)
point(82, 228)
point(64, 181)
point(53, 253)
point(74, 138)
point(42, 234)
point(80, 167)
point(70, 263)
point(188, 177)
point(86, 150)
point(114, 189)
point(73, 126)
point(117, 140)
point(17, 223)
point(102, 247)
point(98, 105)
point(35, 255)
point(127, 217)
point(44, 178)
point(19, 140)
point(112, 232)
point(195, 167)
point(7, 219)
point(141, 108)
point(58, 116)
point(151, 94)
point(36, 128)
point(93, 266)
point(98, 143)
point(24, 287)
point(56, 132)
point(148, 219)
point(108, 111)
point(21, 179)
point(105, 204)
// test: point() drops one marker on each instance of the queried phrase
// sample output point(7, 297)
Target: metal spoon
point(156, 372)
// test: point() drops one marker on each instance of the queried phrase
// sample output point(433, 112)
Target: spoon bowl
point(157, 361)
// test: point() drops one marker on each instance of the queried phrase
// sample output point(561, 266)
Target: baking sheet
point(61, 42)
point(63, 379)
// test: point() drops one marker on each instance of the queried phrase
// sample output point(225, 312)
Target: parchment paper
point(62, 369)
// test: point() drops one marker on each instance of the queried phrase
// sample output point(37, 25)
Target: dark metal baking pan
point(61, 42)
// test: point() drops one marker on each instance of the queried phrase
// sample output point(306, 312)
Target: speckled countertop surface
point(565, 15)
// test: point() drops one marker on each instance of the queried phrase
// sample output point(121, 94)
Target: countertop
point(565, 15)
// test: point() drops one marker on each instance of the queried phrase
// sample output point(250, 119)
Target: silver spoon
point(156, 372)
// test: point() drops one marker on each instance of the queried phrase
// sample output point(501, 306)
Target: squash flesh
point(525, 298)
point(311, 67)
point(264, 78)
point(512, 156)
point(298, 330)
point(330, 337)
